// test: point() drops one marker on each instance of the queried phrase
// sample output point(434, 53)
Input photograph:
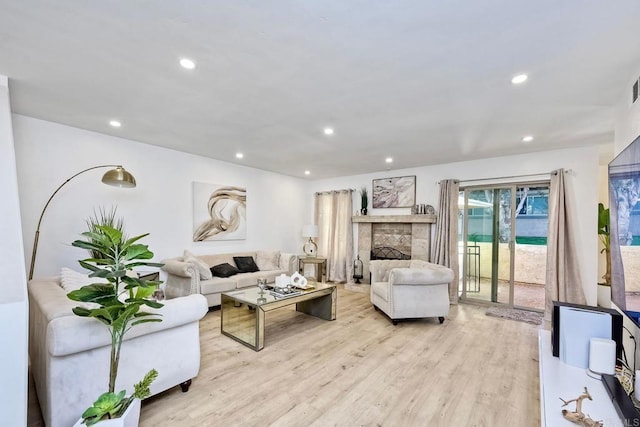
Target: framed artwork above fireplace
point(399, 192)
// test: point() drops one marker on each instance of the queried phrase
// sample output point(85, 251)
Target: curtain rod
point(351, 190)
point(569, 171)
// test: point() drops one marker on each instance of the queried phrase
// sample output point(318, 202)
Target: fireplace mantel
point(407, 219)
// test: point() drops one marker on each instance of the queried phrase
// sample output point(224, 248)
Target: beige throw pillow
point(71, 280)
point(201, 266)
point(268, 260)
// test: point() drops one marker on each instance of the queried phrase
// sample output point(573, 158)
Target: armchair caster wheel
point(395, 322)
point(185, 386)
point(376, 308)
point(441, 319)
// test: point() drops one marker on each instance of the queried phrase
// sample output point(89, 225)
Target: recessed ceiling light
point(187, 63)
point(328, 131)
point(527, 138)
point(520, 78)
point(115, 123)
point(239, 155)
point(388, 160)
point(307, 172)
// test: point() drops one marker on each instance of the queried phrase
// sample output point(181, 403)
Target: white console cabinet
point(559, 380)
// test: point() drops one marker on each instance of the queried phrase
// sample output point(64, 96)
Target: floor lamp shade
point(118, 177)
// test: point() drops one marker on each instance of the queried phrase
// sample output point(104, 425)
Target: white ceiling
point(422, 81)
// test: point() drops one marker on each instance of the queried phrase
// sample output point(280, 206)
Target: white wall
point(161, 204)
point(13, 298)
point(583, 163)
point(627, 116)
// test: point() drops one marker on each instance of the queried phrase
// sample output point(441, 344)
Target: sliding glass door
point(502, 244)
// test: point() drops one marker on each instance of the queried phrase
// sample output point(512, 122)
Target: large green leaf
point(153, 303)
point(104, 315)
point(121, 322)
point(91, 247)
point(132, 265)
point(93, 293)
point(81, 311)
point(132, 240)
point(103, 273)
point(88, 266)
point(114, 235)
point(138, 322)
point(138, 252)
point(603, 219)
point(133, 282)
point(100, 261)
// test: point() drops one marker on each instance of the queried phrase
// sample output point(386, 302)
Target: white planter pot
point(604, 296)
point(128, 419)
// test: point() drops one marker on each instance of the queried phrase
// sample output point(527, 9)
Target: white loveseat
point(410, 289)
point(184, 277)
point(70, 354)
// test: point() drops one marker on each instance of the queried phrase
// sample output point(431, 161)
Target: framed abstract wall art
point(397, 192)
point(219, 212)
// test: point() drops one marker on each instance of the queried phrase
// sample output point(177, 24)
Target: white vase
point(130, 418)
point(604, 296)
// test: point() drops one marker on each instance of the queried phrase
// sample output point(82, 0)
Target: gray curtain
point(563, 275)
point(333, 212)
point(444, 249)
point(618, 293)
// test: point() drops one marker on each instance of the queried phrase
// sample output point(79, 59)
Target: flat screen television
point(624, 215)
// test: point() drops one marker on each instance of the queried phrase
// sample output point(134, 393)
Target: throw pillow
point(268, 260)
point(71, 280)
point(224, 270)
point(201, 266)
point(245, 264)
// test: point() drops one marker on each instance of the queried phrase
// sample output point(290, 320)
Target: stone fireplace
point(393, 236)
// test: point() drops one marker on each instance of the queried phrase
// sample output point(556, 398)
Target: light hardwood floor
point(360, 370)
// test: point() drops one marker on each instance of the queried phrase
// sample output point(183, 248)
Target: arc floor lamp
point(117, 177)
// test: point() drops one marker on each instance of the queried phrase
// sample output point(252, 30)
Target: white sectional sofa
point(70, 354)
point(186, 277)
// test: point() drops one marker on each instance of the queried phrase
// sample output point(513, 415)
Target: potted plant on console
point(604, 288)
point(364, 200)
point(117, 303)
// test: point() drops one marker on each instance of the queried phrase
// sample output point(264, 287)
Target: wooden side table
point(320, 264)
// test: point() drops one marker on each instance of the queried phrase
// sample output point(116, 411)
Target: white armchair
point(410, 289)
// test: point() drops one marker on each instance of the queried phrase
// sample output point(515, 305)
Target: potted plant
point(364, 200)
point(604, 288)
point(117, 306)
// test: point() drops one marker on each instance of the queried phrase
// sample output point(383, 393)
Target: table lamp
point(310, 248)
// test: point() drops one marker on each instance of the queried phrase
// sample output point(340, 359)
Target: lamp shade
point(310, 231)
point(119, 177)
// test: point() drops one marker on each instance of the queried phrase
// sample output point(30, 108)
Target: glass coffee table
point(243, 311)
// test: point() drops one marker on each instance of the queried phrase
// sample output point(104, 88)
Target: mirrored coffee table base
point(243, 311)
